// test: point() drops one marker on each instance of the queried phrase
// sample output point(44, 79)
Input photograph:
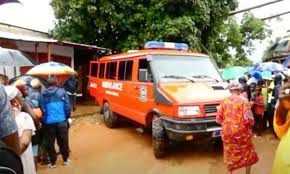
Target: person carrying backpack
point(55, 105)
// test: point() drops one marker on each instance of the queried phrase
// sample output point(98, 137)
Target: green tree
point(127, 24)
point(237, 41)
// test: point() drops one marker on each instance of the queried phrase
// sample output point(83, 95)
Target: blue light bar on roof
point(166, 45)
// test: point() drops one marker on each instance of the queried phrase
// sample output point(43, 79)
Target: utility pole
point(253, 7)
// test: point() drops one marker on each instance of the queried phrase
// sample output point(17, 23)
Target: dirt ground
point(97, 149)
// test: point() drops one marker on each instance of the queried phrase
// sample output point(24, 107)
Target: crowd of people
point(32, 117)
point(247, 112)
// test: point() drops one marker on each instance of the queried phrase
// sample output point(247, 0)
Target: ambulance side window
point(111, 70)
point(94, 69)
point(144, 64)
point(102, 70)
point(125, 70)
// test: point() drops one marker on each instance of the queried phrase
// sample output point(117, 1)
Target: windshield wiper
point(205, 76)
point(178, 77)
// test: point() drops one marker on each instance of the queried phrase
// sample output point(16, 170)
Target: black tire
point(110, 118)
point(159, 138)
point(218, 142)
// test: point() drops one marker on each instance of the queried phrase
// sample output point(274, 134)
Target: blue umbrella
point(266, 75)
point(269, 66)
point(256, 74)
point(249, 68)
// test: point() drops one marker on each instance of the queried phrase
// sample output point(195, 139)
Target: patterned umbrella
point(51, 68)
point(234, 72)
point(269, 66)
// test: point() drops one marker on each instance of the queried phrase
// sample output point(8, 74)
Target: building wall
point(56, 50)
point(63, 54)
point(59, 53)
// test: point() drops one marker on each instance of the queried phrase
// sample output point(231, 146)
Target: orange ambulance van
point(164, 87)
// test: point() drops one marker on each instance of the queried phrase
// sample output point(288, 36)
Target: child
point(258, 110)
point(245, 91)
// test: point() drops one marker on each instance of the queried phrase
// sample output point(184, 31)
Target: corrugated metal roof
point(19, 37)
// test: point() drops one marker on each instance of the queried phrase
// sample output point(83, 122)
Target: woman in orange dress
point(236, 121)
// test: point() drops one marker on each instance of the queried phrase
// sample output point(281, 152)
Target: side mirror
point(143, 75)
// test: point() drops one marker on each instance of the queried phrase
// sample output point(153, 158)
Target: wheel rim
point(106, 114)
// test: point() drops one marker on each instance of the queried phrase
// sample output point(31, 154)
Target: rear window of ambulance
point(94, 69)
point(102, 70)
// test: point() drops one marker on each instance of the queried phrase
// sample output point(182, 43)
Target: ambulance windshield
point(172, 68)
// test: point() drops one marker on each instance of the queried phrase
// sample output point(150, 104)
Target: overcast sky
point(38, 15)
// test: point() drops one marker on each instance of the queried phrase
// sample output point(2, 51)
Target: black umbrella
point(8, 1)
point(27, 79)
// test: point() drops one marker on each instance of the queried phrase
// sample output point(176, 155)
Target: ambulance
point(164, 88)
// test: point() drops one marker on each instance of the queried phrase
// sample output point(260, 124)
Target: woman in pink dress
point(236, 121)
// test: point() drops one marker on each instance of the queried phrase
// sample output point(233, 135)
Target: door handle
point(136, 87)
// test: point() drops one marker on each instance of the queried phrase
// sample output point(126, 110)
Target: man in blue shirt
point(55, 106)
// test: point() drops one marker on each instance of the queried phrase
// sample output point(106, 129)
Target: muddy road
point(97, 149)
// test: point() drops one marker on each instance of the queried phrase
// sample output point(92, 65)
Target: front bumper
point(197, 128)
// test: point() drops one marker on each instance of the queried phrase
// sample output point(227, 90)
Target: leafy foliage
point(239, 38)
point(127, 24)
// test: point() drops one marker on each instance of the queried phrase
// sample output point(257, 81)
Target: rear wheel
point(159, 138)
point(110, 118)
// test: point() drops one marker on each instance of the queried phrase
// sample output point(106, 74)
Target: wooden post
point(48, 52)
point(36, 51)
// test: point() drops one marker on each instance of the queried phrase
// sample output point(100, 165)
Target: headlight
point(188, 110)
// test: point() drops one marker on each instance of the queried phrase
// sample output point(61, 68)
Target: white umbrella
point(10, 57)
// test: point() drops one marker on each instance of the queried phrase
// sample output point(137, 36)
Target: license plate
point(216, 133)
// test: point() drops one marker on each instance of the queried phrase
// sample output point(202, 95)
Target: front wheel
point(159, 138)
point(110, 118)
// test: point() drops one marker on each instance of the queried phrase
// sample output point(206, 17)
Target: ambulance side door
point(93, 78)
point(142, 95)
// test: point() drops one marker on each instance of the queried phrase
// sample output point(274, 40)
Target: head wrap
point(19, 82)
point(234, 85)
point(11, 92)
point(35, 83)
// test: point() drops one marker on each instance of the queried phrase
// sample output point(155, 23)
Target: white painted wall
point(10, 71)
